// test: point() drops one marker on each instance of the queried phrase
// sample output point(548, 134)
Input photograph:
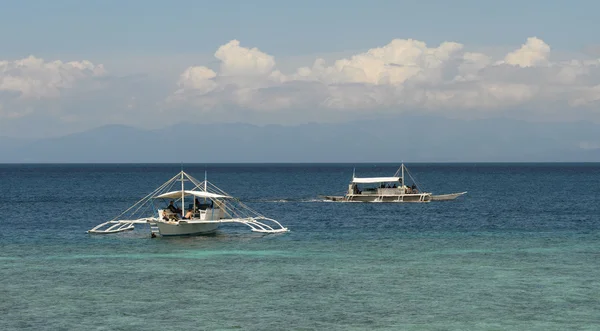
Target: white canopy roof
point(374, 180)
point(199, 194)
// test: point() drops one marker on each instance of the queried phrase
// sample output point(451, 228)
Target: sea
point(519, 251)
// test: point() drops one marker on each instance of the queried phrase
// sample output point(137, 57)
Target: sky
point(70, 66)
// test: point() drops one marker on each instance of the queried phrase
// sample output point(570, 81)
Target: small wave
point(283, 200)
point(315, 200)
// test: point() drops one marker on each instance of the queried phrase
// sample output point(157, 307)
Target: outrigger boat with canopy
point(388, 189)
point(208, 207)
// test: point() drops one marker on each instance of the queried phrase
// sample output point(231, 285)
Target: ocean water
point(521, 251)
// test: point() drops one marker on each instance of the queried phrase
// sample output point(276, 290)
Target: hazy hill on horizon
point(406, 138)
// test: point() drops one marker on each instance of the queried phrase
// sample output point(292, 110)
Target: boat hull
point(378, 198)
point(446, 197)
point(186, 229)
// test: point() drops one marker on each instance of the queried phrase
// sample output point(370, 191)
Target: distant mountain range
point(407, 138)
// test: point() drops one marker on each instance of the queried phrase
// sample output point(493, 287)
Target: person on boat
point(172, 208)
point(189, 214)
point(173, 217)
point(414, 188)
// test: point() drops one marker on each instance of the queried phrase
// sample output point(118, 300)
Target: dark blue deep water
point(519, 252)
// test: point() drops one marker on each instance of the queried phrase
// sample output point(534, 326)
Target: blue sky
point(70, 66)
point(283, 27)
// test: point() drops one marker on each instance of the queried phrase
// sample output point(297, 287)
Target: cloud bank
point(33, 77)
point(404, 75)
point(26, 82)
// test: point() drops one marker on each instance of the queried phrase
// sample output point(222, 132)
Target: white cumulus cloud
point(198, 78)
point(393, 64)
point(534, 52)
point(237, 60)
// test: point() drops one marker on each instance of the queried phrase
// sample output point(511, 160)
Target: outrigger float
point(388, 189)
point(208, 207)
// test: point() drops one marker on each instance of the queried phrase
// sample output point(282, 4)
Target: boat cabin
point(211, 206)
point(380, 186)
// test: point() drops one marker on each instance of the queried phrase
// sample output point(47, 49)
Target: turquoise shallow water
point(519, 252)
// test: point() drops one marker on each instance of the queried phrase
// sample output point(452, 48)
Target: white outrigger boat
point(388, 189)
point(208, 208)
